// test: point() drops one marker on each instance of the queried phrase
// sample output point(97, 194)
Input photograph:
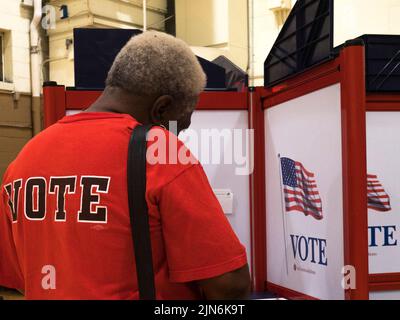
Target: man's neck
point(116, 100)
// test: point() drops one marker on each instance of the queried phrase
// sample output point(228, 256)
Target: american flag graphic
point(378, 199)
point(300, 189)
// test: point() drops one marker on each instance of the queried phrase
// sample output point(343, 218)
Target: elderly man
point(64, 216)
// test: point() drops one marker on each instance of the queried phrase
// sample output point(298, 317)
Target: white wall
point(14, 22)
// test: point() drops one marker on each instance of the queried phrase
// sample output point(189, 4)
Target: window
point(2, 54)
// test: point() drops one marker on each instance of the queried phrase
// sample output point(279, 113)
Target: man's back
point(65, 199)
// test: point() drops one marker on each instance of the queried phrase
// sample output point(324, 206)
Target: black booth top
point(382, 55)
point(96, 49)
point(306, 40)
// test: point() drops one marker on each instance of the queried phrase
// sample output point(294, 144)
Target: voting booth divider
point(314, 113)
point(316, 181)
point(315, 160)
point(331, 145)
point(331, 160)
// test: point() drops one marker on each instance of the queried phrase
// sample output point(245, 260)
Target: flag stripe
point(300, 192)
point(376, 191)
point(312, 201)
point(316, 206)
point(312, 195)
point(302, 168)
point(378, 199)
point(380, 209)
point(307, 212)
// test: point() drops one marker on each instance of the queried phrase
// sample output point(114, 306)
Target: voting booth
point(315, 160)
point(223, 118)
point(218, 116)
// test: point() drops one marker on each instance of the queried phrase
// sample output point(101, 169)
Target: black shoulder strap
point(139, 212)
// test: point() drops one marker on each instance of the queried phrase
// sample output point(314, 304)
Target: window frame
point(2, 56)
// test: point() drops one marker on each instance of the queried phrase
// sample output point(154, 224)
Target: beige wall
point(214, 28)
point(357, 17)
point(15, 108)
point(211, 27)
point(222, 27)
point(265, 31)
point(203, 23)
point(14, 21)
point(238, 44)
point(95, 13)
point(15, 127)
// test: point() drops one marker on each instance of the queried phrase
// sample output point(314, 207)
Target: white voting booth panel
point(306, 254)
point(383, 154)
point(385, 295)
point(383, 158)
point(219, 126)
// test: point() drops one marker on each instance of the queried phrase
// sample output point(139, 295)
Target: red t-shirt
point(64, 221)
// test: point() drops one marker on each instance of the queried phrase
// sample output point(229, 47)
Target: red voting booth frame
point(58, 101)
point(383, 103)
point(348, 70)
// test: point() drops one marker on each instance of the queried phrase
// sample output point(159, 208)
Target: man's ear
point(161, 109)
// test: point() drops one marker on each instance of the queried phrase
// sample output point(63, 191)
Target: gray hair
point(156, 63)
